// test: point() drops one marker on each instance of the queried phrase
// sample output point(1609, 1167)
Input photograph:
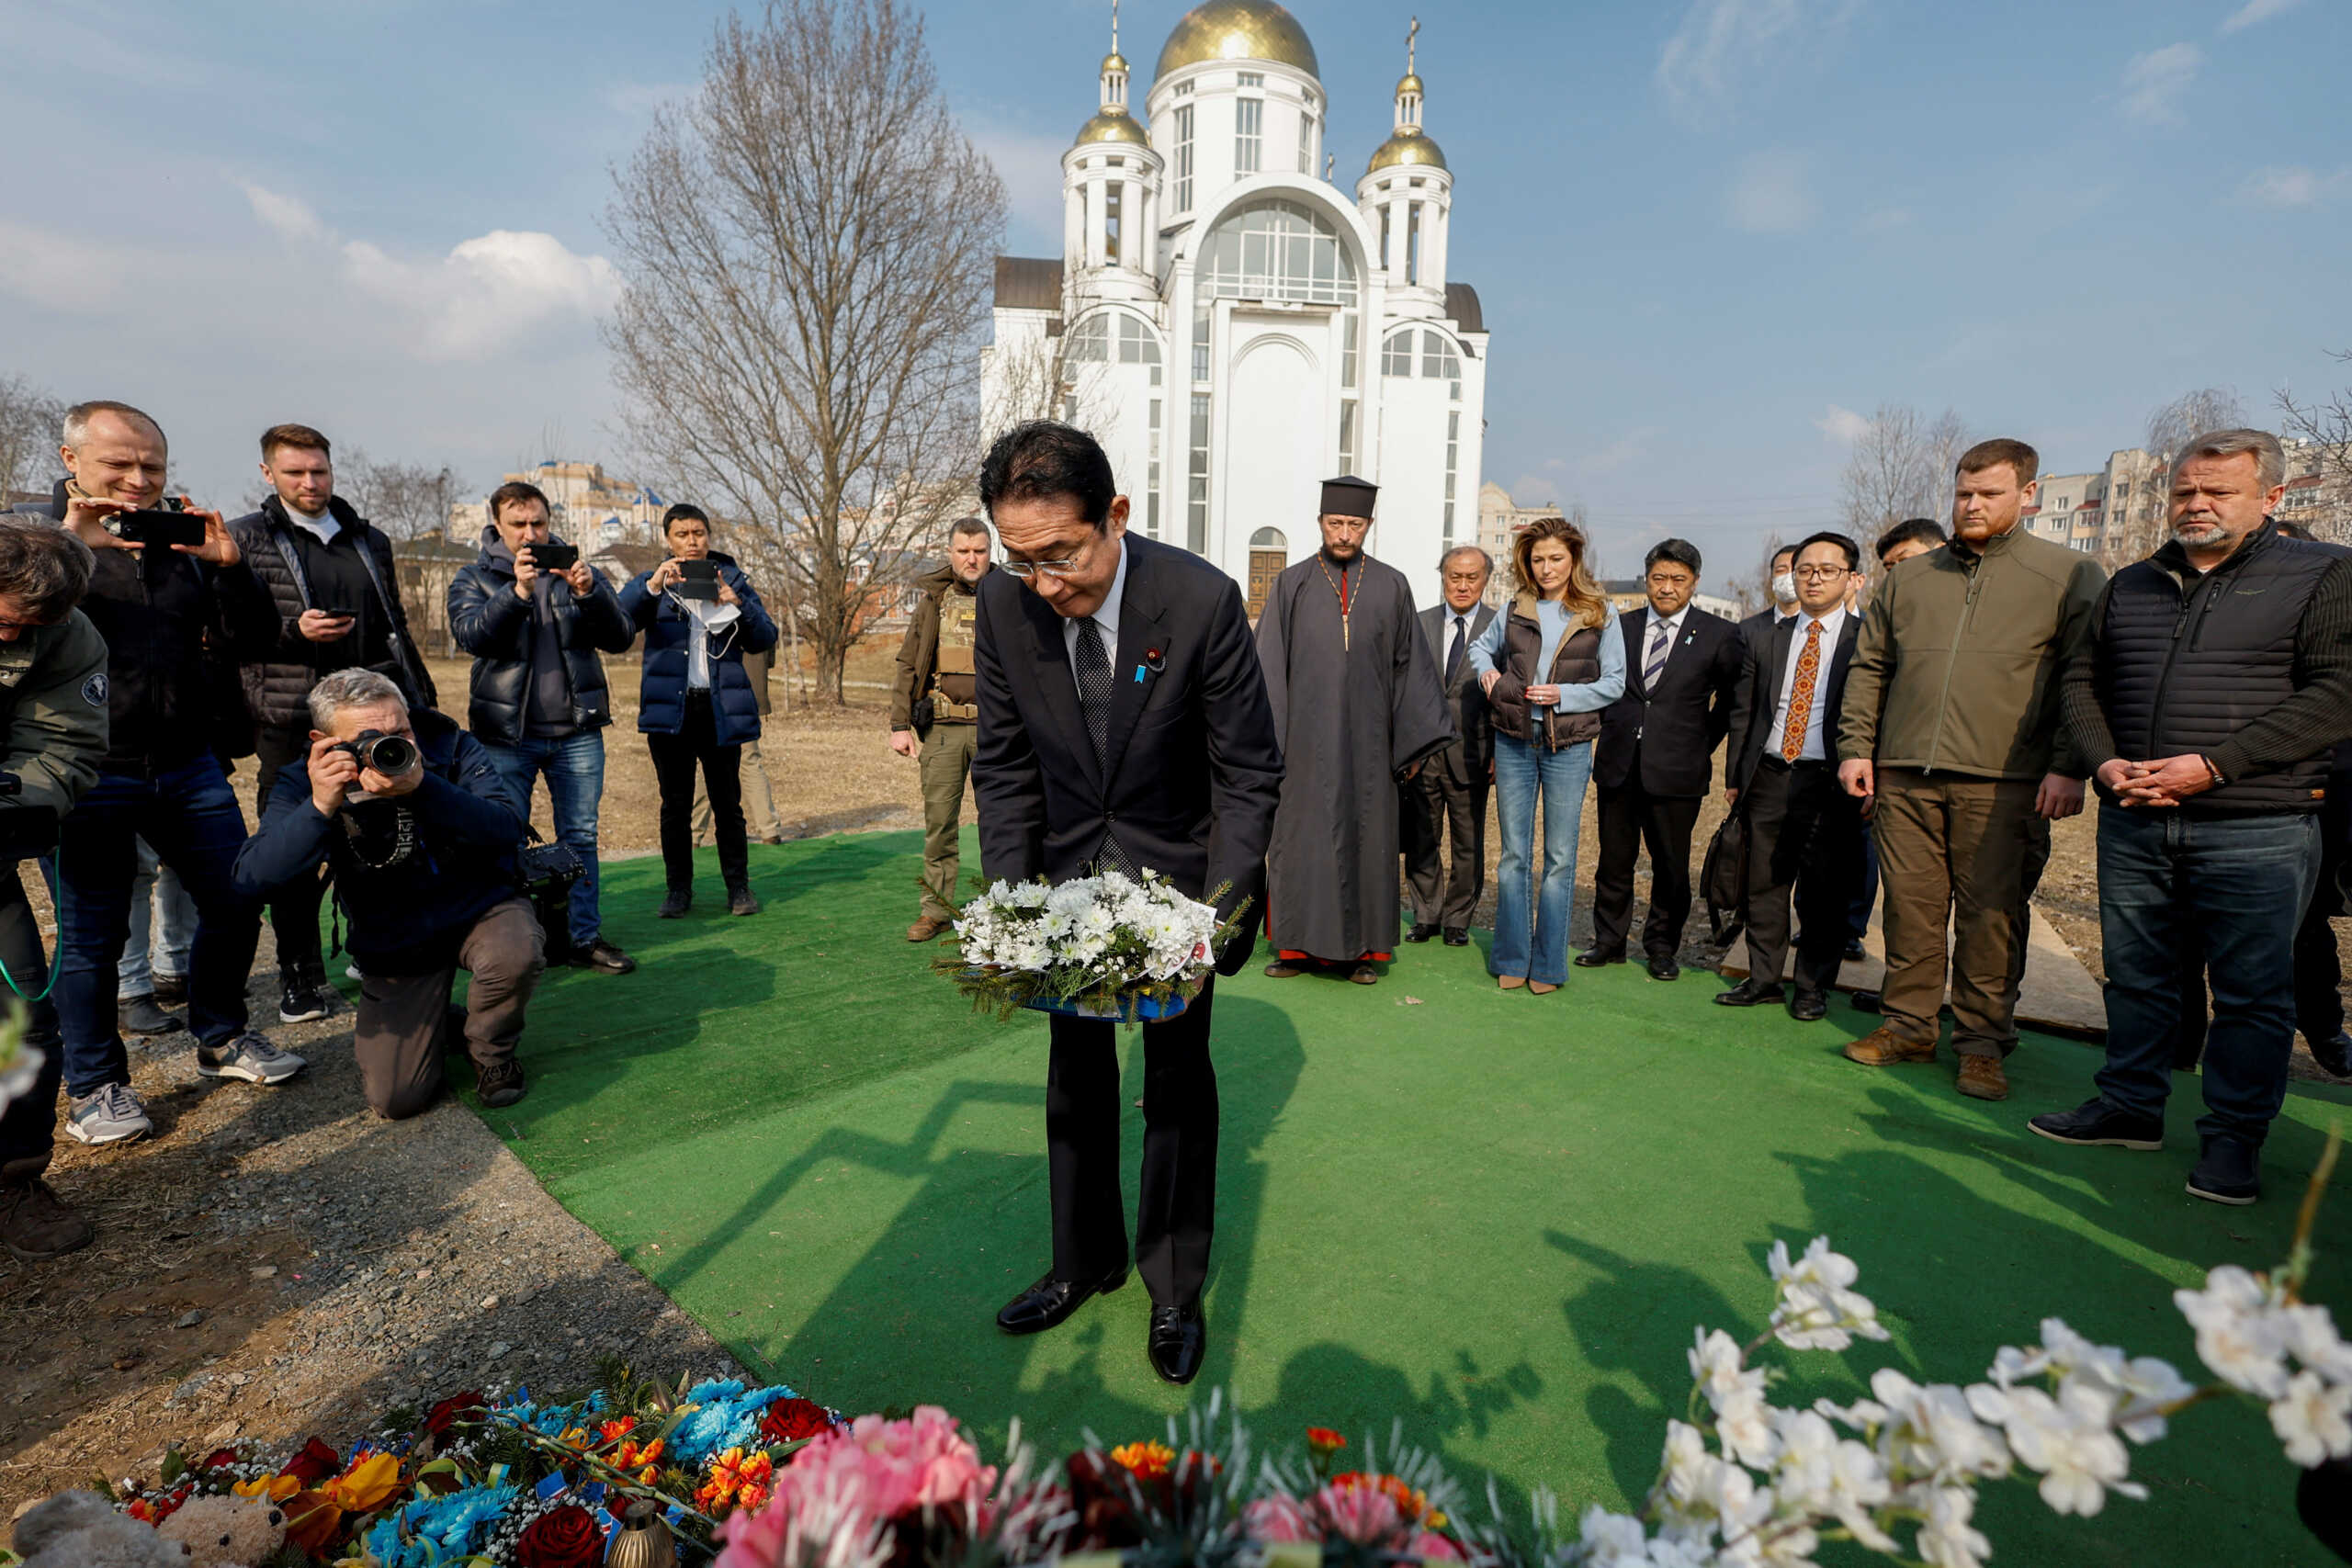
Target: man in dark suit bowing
point(1655, 758)
point(1124, 725)
point(1782, 771)
point(1445, 803)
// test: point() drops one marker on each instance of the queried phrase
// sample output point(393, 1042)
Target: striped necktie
point(1654, 664)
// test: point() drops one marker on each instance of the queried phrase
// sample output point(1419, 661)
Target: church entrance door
point(1275, 434)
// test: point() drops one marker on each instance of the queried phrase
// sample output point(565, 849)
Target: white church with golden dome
point(1234, 327)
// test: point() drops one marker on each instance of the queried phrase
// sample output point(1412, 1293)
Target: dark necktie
point(1095, 698)
point(1461, 646)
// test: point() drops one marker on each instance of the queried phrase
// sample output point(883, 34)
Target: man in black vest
point(1657, 758)
point(2217, 681)
point(1124, 723)
point(1782, 771)
point(1445, 803)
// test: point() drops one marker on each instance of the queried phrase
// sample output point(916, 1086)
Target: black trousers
point(1439, 815)
point(1176, 1207)
point(675, 758)
point(294, 910)
point(1799, 820)
point(29, 1125)
point(1631, 818)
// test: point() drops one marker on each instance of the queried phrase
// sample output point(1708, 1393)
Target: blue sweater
point(669, 631)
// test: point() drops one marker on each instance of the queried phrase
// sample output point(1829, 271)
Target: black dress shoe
point(2097, 1125)
point(2333, 1055)
point(1665, 969)
point(1750, 992)
point(1855, 950)
point(1457, 936)
point(1178, 1341)
point(1808, 1006)
point(1050, 1301)
point(1593, 958)
point(1421, 932)
point(1866, 1001)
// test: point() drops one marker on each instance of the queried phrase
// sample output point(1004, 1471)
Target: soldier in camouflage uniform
point(933, 716)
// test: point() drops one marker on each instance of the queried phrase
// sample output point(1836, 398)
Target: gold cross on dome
point(1412, 36)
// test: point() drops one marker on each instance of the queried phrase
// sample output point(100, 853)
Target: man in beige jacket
point(1951, 733)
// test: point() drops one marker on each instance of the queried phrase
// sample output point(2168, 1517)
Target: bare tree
point(1901, 467)
point(2327, 425)
point(1752, 589)
point(409, 500)
point(2136, 521)
point(30, 423)
point(2191, 415)
point(806, 247)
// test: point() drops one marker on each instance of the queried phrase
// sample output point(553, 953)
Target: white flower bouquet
point(1106, 947)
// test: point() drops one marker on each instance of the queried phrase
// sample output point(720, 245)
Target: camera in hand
point(26, 832)
point(158, 527)
point(390, 755)
point(552, 557)
point(698, 580)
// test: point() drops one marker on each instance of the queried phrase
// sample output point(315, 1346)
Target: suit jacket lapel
point(1141, 646)
point(1058, 682)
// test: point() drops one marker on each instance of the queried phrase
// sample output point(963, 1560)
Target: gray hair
point(1484, 559)
point(351, 689)
point(968, 528)
point(77, 421)
point(2269, 457)
point(44, 569)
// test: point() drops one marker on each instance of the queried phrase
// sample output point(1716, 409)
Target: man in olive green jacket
point(53, 730)
point(934, 712)
point(1951, 730)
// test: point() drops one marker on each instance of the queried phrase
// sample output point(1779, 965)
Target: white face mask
point(1784, 587)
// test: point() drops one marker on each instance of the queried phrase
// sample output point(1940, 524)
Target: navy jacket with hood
point(661, 698)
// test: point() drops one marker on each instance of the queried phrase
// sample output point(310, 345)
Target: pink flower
point(1278, 1518)
point(1365, 1515)
point(858, 1475)
point(1431, 1547)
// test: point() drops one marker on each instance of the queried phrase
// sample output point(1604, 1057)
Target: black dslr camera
point(390, 755)
point(26, 832)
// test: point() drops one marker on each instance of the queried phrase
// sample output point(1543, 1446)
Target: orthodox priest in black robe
point(1359, 704)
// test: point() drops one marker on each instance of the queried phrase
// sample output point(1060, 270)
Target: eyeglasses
point(1023, 571)
point(1817, 574)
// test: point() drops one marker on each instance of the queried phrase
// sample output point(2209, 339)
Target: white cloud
point(2293, 186)
point(61, 272)
point(2155, 81)
point(289, 216)
point(2255, 11)
point(1534, 489)
point(1843, 425)
point(1722, 45)
point(486, 291)
point(1770, 195)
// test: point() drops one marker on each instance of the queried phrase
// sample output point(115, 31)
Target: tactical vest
point(955, 699)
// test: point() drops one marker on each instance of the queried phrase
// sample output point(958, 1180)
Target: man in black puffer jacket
point(538, 700)
point(331, 575)
point(2217, 682)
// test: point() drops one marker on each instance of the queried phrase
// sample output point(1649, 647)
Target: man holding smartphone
point(166, 584)
point(337, 593)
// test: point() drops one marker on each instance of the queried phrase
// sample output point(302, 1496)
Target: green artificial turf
point(1496, 1216)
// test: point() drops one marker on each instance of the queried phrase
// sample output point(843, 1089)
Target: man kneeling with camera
point(423, 835)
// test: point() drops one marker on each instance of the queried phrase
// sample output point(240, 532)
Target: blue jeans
point(163, 929)
point(192, 817)
point(2240, 883)
point(1520, 771)
point(574, 767)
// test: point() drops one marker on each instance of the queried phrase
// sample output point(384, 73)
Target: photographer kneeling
point(423, 835)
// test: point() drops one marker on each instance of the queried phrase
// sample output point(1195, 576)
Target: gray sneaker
point(144, 1015)
point(112, 1115)
point(248, 1056)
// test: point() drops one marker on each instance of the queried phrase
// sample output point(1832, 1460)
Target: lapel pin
point(1153, 661)
point(1138, 675)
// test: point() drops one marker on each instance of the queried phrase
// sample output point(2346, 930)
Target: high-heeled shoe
point(1541, 987)
point(1511, 982)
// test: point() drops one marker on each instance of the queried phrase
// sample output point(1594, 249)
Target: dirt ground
point(276, 1262)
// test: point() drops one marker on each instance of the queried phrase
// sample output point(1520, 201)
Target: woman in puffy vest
point(696, 704)
point(1550, 664)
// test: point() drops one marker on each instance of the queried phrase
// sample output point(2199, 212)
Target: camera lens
point(390, 755)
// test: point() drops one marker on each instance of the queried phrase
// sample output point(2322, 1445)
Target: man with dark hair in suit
point(1782, 772)
point(1655, 758)
point(1123, 726)
point(1446, 801)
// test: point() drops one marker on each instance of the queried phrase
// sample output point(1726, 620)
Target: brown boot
point(1983, 1077)
point(1882, 1047)
point(35, 1225)
point(928, 926)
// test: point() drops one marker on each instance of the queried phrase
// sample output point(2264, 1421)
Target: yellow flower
point(1146, 1460)
point(275, 1488)
point(364, 1487)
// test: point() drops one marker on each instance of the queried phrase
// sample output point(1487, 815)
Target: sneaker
point(603, 955)
point(171, 990)
point(500, 1084)
point(140, 1015)
point(2097, 1125)
point(249, 1057)
point(35, 1225)
point(675, 903)
point(351, 973)
point(2226, 1171)
point(741, 901)
point(303, 997)
point(112, 1115)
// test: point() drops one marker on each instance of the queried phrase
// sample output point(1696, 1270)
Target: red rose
point(219, 1459)
point(790, 1420)
point(466, 1406)
point(313, 1465)
point(564, 1536)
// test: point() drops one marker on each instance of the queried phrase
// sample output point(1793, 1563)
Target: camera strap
point(47, 864)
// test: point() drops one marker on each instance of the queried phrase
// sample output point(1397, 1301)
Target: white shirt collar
point(1105, 616)
point(1672, 623)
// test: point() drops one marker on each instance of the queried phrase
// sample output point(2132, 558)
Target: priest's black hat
point(1349, 496)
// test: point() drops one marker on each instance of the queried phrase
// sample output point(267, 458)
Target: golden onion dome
point(1113, 124)
point(1411, 85)
point(1114, 61)
point(1410, 145)
point(1237, 29)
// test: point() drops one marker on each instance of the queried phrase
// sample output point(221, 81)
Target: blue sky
point(1708, 233)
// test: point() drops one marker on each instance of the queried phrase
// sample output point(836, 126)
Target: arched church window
point(1438, 361)
point(1138, 344)
point(1397, 354)
point(1090, 342)
point(1277, 250)
point(1269, 539)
